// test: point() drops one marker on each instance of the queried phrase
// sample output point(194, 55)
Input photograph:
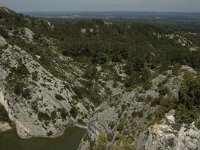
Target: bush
point(90, 72)
point(35, 76)
point(49, 133)
point(26, 94)
point(147, 85)
point(140, 114)
point(187, 106)
point(53, 115)
point(170, 142)
point(176, 126)
point(63, 113)
point(59, 97)
point(21, 71)
point(101, 142)
point(189, 94)
point(137, 114)
point(163, 91)
point(183, 115)
point(197, 124)
point(43, 116)
point(3, 115)
point(18, 90)
point(74, 112)
point(3, 32)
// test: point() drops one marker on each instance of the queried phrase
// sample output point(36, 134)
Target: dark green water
point(70, 140)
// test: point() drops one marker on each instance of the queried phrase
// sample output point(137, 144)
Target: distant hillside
point(120, 14)
point(178, 21)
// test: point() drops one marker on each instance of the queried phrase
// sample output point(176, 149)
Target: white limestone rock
point(83, 31)
point(170, 116)
point(189, 69)
point(4, 126)
point(190, 145)
point(3, 41)
point(158, 135)
point(28, 34)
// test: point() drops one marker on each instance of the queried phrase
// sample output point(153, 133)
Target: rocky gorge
point(44, 91)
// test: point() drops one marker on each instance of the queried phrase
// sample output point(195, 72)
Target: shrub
point(34, 106)
point(183, 115)
point(170, 142)
point(189, 94)
point(197, 124)
point(147, 85)
point(101, 142)
point(53, 115)
point(74, 112)
point(49, 133)
point(26, 94)
point(176, 126)
point(140, 114)
point(35, 76)
point(18, 90)
point(3, 32)
point(90, 72)
point(59, 97)
point(163, 91)
point(3, 114)
point(188, 106)
point(43, 116)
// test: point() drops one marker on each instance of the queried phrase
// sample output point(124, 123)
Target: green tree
point(189, 94)
point(101, 142)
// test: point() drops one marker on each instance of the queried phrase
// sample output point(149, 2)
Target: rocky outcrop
point(2, 41)
point(48, 103)
point(28, 34)
point(4, 126)
point(3, 102)
point(165, 135)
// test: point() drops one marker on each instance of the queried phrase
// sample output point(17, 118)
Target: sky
point(102, 5)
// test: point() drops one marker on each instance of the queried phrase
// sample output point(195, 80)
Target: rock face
point(2, 100)
point(28, 123)
point(4, 126)
point(47, 100)
point(2, 41)
point(42, 100)
point(189, 138)
point(165, 135)
point(28, 34)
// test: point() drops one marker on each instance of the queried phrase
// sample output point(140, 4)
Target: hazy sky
point(103, 5)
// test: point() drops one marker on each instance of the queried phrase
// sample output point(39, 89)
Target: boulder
point(3, 42)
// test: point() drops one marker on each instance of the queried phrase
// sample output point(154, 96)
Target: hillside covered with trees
point(134, 72)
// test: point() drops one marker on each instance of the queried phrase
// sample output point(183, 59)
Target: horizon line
point(97, 11)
